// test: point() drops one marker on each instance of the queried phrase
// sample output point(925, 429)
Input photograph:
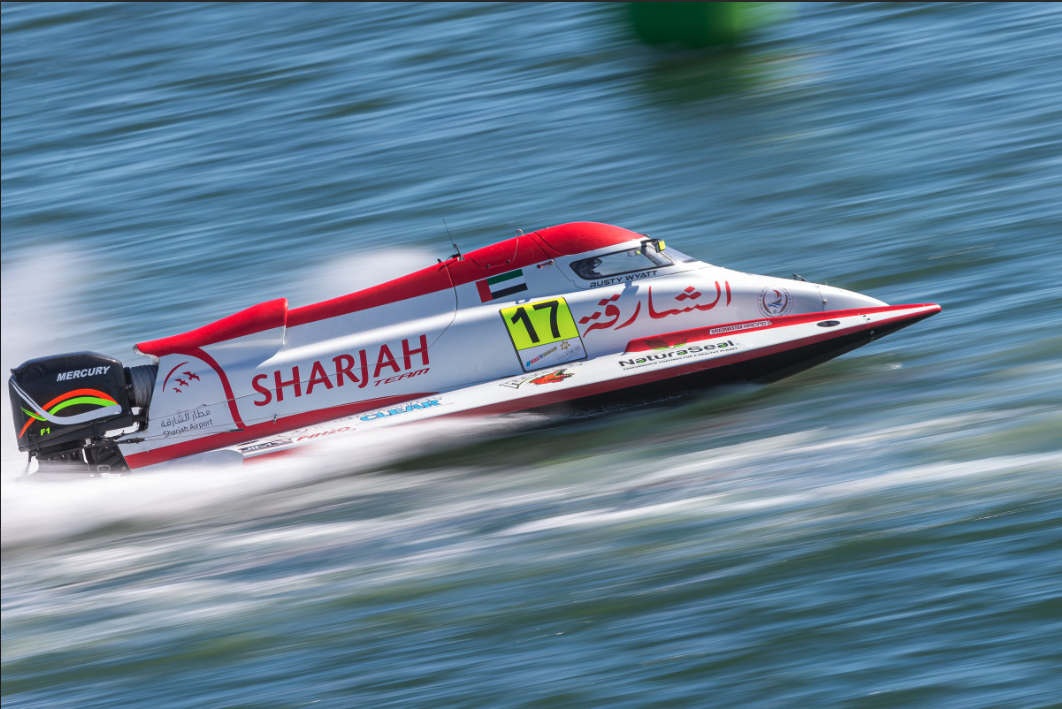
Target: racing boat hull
point(579, 316)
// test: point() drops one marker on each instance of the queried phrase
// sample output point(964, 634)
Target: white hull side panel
point(604, 373)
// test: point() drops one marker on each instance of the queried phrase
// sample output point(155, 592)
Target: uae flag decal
point(502, 285)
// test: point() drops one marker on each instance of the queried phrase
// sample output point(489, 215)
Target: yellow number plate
point(543, 333)
point(540, 323)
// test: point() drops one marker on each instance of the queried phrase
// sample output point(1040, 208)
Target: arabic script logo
point(775, 301)
point(687, 299)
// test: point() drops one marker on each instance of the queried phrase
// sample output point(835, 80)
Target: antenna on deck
point(457, 251)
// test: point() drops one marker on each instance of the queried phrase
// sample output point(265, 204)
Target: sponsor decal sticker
point(735, 328)
point(538, 358)
point(400, 409)
point(309, 433)
point(187, 422)
point(265, 445)
point(554, 377)
point(550, 355)
point(775, 302)
point(502, 285)
point(308, 436)
point(680, 353)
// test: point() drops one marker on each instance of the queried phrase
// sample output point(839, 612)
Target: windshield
point(679, 257)
point(636, 259)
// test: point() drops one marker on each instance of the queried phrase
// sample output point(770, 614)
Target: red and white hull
point(579, 315)
point(651, 368)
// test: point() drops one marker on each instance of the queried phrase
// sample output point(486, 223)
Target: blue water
point(884, 530)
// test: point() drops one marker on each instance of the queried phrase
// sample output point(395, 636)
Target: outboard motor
point(64, 407)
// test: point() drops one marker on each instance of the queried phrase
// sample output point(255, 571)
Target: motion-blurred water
point(882, 531)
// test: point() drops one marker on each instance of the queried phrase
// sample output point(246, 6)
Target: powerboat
point(580, 316)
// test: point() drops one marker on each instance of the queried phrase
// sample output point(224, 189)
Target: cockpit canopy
point(641, 258)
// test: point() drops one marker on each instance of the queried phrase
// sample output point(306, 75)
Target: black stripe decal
point(509, 291)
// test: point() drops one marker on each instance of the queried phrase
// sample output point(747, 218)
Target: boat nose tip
point(930, 309)
point(925, 310)
point(834, 298)
point(915, 313)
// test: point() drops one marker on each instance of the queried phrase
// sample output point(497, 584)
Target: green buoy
point(702, 24)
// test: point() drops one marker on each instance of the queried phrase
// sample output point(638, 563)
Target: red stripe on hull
point(678, 337)
point(258, 318)
point(565, 395)
point(230, 397)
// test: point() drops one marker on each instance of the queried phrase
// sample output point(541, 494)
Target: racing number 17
point(521, 316)
point(539, 324)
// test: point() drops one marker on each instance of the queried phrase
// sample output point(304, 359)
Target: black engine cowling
point(63, 407)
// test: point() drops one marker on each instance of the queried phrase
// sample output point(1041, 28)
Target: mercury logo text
point(81, 373)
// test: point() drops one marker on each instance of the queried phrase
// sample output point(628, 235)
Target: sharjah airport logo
point(775, 301)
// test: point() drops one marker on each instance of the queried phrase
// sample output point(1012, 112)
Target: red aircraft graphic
point(552, 378)
point(182, 382)
point(191, 376)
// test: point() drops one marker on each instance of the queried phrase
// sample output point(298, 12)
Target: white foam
point(769, 498)
point(35, 511)
point(41, 510)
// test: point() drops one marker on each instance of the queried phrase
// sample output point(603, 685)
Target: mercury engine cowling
point(64, 407)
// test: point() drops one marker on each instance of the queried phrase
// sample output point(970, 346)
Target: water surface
point(881, 531)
